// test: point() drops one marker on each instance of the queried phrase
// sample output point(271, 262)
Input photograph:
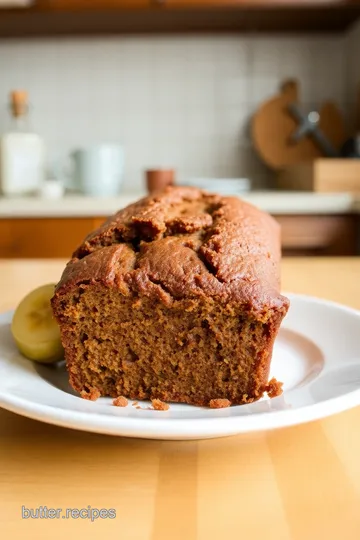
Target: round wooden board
point(273, 125)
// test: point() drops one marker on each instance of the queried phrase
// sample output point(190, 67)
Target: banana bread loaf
point(175, 297)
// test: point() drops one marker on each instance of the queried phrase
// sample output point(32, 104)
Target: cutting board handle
point(290, 87)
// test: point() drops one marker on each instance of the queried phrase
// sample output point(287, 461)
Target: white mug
point(98, 170)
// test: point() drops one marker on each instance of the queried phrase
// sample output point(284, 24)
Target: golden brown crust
point(185, 243)
point(107, 266)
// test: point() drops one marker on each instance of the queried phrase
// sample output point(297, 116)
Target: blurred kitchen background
point(262, 102)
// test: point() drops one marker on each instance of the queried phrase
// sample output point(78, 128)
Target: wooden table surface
point(299, 483)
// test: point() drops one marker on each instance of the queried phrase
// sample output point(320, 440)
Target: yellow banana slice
point(35, 331)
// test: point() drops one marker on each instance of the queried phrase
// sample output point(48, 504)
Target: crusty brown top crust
point(185, 243)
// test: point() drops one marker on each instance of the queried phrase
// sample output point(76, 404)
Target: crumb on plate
point(120, 401)
point(93, 394)
point(159, 405)
point(219, 403)
point(274, 388)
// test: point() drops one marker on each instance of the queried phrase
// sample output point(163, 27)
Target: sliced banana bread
point(175, 297)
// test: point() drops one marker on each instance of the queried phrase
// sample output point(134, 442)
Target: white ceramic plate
point(316, 355)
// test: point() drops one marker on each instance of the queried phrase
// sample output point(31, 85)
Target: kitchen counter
point(280, 203)
point(296, 483)
point(311, 223)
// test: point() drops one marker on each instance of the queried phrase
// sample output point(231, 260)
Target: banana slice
point(35, 331)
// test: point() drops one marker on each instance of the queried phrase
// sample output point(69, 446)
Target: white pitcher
point(98, 170)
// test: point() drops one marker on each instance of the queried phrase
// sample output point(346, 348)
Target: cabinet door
point(42, 238)
point(319, 235)
point(98, 222)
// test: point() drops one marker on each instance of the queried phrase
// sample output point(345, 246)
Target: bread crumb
point(135, 403)
point(159, 405)
point(274, 388)
point(219, 403)
point(93, 394)
point(120, 401)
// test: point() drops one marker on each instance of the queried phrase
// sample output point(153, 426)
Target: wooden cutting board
point(273, 125)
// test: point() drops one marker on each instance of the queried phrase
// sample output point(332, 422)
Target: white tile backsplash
point(265, 55)
point(232, 90)
point(182, 101)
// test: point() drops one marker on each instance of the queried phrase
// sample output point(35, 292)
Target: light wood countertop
point(300, 483)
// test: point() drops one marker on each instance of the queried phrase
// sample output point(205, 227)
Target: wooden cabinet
point(250, 3)
point(89, 17)
point(319, 235)
point(90, 5)
point(86, 5)
point(58, 237)
point(43, 238)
